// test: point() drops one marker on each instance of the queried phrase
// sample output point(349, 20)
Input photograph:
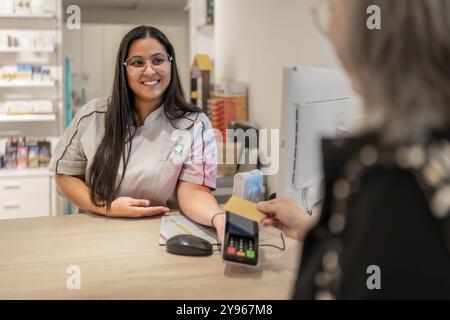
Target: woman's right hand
point(126, 207)
point(285, 215)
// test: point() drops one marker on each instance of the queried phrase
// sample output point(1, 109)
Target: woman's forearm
point(78, 193)
point(197, 202)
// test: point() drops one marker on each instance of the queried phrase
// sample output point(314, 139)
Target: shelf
point(27, 15)
point(17, 50)
point(27, 117)
point(28, 172)
point(29, 84)
point(206, 29)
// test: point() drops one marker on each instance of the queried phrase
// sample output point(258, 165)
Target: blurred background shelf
point(19, 50)
point(28, 172)
point(27, 118)
point(27, 15)
point(31, 61)
point(206, 29)
point(31, 84)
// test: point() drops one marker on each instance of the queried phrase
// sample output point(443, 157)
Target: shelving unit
point(27, 118)
point(17, 50)
point(27, 193)
point(19, 40)
point(201, 31)
point(26, 84)
point(28, 15)
point(30, 172)
point(201, 35)
point(206, 29)
point(31, 192)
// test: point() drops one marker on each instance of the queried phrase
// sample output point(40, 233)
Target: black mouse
point(189, 245)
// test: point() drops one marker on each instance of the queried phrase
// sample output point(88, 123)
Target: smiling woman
point(117, 158)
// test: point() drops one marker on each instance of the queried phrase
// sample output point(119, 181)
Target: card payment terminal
point(240, 243)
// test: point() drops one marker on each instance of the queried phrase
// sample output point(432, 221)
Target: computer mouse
point(189, 245)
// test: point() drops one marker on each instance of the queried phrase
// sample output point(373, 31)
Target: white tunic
point(160, 154)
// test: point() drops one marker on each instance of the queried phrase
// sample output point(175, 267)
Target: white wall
point(254, 40)
point(201, 36)
point(93, 49)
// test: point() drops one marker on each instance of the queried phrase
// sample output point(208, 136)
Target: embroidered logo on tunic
point(178, 149)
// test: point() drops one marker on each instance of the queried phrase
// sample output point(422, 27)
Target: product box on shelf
point(17, 107)
point(27, 6)
point(229, 104)
point(27, 73)
point(230, 89)
point(27, 152)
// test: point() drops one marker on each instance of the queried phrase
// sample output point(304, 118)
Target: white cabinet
point(19, 207)
point(27, 193)
point(33, 36)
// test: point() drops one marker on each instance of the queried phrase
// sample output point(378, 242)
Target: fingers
point(139, 202)
point(267, 222)
point(270, 222)
point(268, 207)
point(149, 211)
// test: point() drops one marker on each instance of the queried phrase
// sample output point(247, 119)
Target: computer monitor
point(316, 104)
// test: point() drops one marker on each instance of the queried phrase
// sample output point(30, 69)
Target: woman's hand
point(126, 207)
point(285, 215)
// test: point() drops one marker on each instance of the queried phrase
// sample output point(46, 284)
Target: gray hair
point(404, 68)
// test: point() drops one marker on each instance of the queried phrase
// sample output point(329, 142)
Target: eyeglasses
point(321, 12)
point(136, 66)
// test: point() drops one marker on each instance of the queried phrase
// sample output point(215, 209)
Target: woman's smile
point(151, 84)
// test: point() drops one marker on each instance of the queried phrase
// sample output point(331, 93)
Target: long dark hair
point(120, 120)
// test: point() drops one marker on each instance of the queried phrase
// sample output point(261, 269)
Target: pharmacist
point(119, 157)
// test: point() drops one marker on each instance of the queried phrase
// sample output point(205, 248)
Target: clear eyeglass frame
point(153, 62)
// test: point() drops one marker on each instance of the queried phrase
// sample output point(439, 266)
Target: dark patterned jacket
point(384, 232)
